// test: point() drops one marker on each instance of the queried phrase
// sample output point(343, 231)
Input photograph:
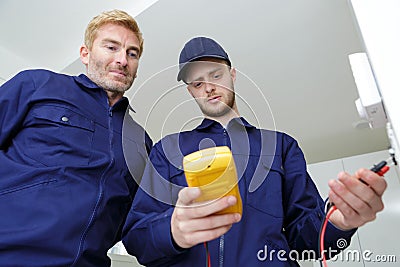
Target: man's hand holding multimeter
point(211, 204)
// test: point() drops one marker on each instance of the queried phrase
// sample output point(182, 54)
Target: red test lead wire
point(322, 249)
point(208, 258)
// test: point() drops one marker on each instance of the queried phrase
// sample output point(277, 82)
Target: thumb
point(187, 195)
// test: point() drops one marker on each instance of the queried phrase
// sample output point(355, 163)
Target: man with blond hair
point(65, 186)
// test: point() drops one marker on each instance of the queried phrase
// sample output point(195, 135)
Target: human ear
point(84, 54)
point(233, 74)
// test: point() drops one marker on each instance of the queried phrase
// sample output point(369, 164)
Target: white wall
point(10, 64)
point(378, 23)
point(123, 261)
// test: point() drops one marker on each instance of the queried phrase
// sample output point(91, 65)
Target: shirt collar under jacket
point(212, 123)
point(83, 80)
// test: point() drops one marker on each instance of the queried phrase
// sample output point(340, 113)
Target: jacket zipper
point(225, 137)
point(221, 251)
point(111, 136)
point(100, 196)
point(222, 238)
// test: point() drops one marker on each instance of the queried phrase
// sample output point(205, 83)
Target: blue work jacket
point(282, 209)
point(65, 188)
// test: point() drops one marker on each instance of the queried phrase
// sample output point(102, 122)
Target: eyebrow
point(210, 72)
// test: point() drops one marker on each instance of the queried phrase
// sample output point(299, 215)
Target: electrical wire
point(208, 258)
point(321, 249)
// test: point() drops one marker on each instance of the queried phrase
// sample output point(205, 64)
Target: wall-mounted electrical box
point(369, 105)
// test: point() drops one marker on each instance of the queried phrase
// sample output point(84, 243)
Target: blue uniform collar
point(83, 80)
point(212, 123)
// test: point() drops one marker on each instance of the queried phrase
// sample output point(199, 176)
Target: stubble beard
point(223, 109)
point(99, 76)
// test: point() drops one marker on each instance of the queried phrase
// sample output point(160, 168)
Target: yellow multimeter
point(213, 170)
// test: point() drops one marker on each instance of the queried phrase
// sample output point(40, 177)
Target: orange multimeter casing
point(213, 170)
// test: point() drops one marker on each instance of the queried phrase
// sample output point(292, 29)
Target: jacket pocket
point(27, 187)
point(56, 135)
point(40, 214)
point(267, 197)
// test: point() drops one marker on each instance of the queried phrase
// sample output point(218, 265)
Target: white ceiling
point(291, 56)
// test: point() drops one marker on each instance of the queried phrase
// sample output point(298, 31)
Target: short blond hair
point(115, 16)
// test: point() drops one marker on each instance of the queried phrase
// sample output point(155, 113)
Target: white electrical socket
point(369, 105)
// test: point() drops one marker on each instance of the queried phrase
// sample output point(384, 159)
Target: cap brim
point(183, 66)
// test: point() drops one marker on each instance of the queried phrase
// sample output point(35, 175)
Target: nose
point(121, 58)
point(209, 87)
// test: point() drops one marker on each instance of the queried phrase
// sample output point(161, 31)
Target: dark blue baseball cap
point(197, 48)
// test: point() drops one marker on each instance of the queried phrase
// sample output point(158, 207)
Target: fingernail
point(231, 200)
point(342, 175)
point(237, 217)
point(195, 191)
